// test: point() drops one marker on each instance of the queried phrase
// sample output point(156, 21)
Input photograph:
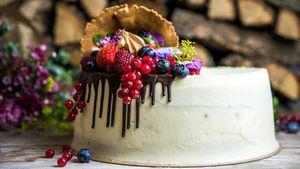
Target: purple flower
point(104, 41)
point(114, 40)
point(159, 39)
point(195, 66)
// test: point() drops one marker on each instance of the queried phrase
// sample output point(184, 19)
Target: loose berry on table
point(49, 153)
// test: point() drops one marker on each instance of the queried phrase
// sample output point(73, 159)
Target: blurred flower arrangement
point(33, 87)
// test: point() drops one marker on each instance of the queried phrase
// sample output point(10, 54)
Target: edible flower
point(195, 66)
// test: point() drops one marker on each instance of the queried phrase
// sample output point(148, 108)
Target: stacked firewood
point(260, 33)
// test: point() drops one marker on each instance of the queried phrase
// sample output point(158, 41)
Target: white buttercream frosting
point(222, 116)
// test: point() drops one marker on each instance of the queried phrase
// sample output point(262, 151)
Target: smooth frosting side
point(223, 116)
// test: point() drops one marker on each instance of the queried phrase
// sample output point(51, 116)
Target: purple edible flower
point(104, 41)
point(159, 39)
point(195, 66)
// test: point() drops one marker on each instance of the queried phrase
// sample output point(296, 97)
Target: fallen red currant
point(134, 94)
point(69, 104)
point(80, 104)
point(127, 100)
point(145, 69)
point(49, 153)
point(65, 148)
point(61, 162)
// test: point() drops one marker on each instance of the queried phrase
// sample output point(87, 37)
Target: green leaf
point(148, 40)
point(62, 57)
point(96, 38)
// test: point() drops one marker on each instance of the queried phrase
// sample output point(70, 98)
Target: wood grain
point(25, 151)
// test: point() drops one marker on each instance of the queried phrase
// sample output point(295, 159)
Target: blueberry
point(84, 155)
point(293, 127)
point(89, 65)
point(163, 66)
point(146, 51)
point(180, 70)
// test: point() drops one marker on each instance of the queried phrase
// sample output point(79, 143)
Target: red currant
point(68, 154)
point(71, 116)
point(172, 60)
point(69, 104)
point(155, 60)
point(80, 104)
point(134, 94)
point(136, 63)
point(127, 100)
point(120, 94)
point(65, 148)
point(61, 162)
point(78, 86)
point(49, 153)
point(131, 76)
point(127, 68)
point(137, 84)
point(124, 77)
point(138, 74)
point(74, 110)
point(76, 96)
point(147, 60)
point(125, 91)
point(128, 84)
point(145, 69)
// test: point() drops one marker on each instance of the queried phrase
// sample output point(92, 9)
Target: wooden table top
point(26, 151)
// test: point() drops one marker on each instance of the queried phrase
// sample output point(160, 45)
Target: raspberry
point(122, 58)
point(106, 57)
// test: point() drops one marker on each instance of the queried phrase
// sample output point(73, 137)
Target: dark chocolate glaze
point(114, 80)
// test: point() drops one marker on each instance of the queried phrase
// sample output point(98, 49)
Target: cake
point(176, 115)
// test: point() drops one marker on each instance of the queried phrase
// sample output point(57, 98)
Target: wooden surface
point(25, 151)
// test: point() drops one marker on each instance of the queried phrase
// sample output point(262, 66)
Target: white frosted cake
point(143, 100)
point(224, 116)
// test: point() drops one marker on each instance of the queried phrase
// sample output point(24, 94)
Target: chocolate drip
point(102, 97)
point(124, 120)
point(128, 116)
point(95, 84)
point(114, 80)
point(151, 80)
point(137, 111)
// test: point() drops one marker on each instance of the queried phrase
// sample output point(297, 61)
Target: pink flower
point(195, 66)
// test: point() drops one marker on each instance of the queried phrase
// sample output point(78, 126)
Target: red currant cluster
point(73, 106)
point(66, 156)
point(131, 83)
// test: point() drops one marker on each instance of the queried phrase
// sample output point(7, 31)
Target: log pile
point(261, 33)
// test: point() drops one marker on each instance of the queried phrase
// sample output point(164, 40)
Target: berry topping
point(61, 162)
point(163, 66)
point(145, 69)
point(134, 94)
point(125, 91)
point(127, 100)
point(128, 84)
point(137, 84)
point(147, 60)
point(89, 65)
point(127, 68)
point(80, 104)
point(84, 155)
point(106, 57)
point(136, 63)
point(69, 104)
point(74, 110)
point(138, 74)
point(71, 116)
point(122, 58)
point(78, 86)
point(124, 77)
point(49, 153)
point(180, 70)
point(172, 60)
point(131, 76)
point(146, 51)
point(76, 96)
